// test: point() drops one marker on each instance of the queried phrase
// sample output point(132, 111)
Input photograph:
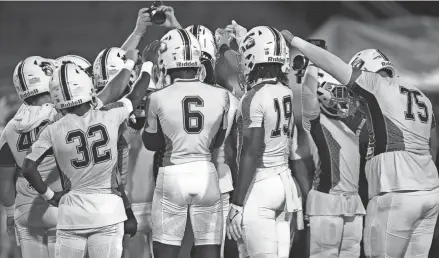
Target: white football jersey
point(15, 142)
point(269, 105)
point(189, 113)
point(85, 148)
point(400, 121)
point(219, 155)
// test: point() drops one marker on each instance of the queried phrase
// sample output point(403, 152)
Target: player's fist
point(143, 21)
point(171, 21)
point(222, 36)
point(130, 225)
point(56, 198)
point(237, 31)
point(288, 36)
point(151, 52)
point(132, 54)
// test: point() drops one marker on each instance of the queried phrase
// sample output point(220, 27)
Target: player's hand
point(222, 36)
point(234, 222)
point(10, 227)
point(130, 224)
point(171, 21)
point(132, 54)
point(150, 53)
point(143, 21)
point(237, 31)
point(56, 198)
point(288, 36)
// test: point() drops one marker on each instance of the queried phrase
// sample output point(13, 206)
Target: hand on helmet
point(150, 53)
point(171, 21)
point(143, 21)
point(132, 54)
point(222, 36)
point(237, 31)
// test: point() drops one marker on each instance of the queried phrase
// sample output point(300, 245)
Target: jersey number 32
point(91, 152)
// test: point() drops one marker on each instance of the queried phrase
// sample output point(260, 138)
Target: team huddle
point(192, 141)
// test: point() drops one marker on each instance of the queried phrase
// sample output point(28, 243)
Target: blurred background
point(407, 32)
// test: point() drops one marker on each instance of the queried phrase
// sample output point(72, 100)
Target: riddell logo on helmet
point(29, 93)
point(186, 64)
point(71, 104)
point(276, 59)
point(386, 63)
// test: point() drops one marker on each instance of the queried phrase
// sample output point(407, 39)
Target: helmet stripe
point(381, 54)
point(277, 40)
point(104, 62)
point(186, 43)
point(23, 85)
point(195, 30)
point(63, 80)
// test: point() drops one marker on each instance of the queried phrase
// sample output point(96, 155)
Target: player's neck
point(40, 100)
point(183, 74)
point(80, 110)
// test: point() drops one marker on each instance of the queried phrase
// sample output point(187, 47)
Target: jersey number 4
point(92, 151)
point(26, 140)
point(413, 95)
point(287, 112)
point(193, 121)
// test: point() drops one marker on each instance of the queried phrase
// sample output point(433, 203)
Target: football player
point(334, 207)
point(80, 61)
point(265, 187)
point(91, 212)
point(189, 119)
point(207, 75)
point(402, 177)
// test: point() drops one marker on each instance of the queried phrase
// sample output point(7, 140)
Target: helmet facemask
point(336, 100)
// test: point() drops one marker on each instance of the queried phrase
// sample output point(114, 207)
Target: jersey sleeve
point(41, 147)
point(6, 157)
point(151, 125)
point(367, 81)
point(252, 111)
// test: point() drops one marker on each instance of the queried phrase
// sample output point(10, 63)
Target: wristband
point(236, 207)
point(10, 210)
point(129, 65)
point(48, 194)
point(147, 67)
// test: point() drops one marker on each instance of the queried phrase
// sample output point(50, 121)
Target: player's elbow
point(152, 141)
point(28, 168)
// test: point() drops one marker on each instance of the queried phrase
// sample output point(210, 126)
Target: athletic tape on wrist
point(147, 67)
point(10, 210)
point(129, 65)
point(48, 194)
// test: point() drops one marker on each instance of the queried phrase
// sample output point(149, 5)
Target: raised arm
point(116, 86)
point(143, 21)
point(310, 101)
point(329, 62)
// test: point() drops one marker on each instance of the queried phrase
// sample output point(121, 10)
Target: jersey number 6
point(287, 111)
point(193, 121)
point(86, 151)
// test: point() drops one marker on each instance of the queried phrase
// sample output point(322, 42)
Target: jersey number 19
point(287, 110)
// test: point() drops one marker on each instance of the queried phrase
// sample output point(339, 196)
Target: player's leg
point(169, 212)
point(390, 219)
point(352, 234)
point(139, 245)
point(422, 234)
point(32, 241)
point(283, 222)
point(70, 243)
point(206, 213)
point(259, 217)
point(106, 242)
point(326, 234)
point(51, 242)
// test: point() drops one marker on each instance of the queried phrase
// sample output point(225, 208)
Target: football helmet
point(263, 44)
point(372, 60)
point(335, 99)
point(32, 76)
point(178, 49)
point(83, 63)
point(108, 63)
point(70, 86)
